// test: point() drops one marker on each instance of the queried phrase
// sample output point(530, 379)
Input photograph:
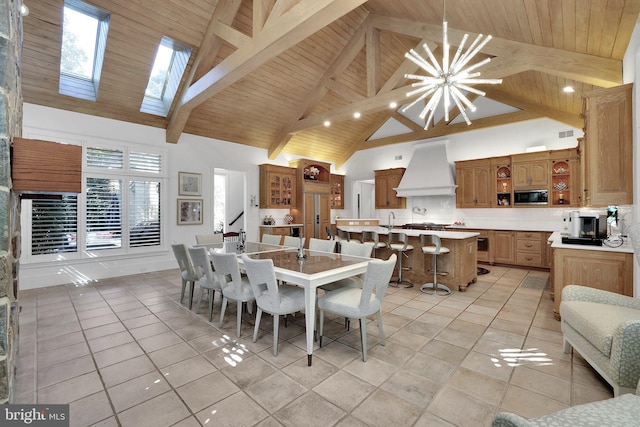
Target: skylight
point(84, 36)
point(166, 74)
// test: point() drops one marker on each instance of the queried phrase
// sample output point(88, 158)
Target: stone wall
point(10, 126)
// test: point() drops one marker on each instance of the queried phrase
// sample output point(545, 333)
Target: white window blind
point(104, 213)
point(54, 225)
point(104, 158)
point(144, 213)
point(145, 162)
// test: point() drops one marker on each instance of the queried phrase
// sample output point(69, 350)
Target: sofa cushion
point(621, 411)
point(596, 322)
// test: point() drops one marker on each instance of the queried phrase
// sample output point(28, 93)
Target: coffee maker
point(593, 226)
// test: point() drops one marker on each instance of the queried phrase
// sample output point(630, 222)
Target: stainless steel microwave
point(530, 197)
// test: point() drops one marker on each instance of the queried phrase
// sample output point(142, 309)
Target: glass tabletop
point(236, 247)
point(314, 261)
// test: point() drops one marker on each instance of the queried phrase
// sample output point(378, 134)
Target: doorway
point(228, 206)
point(365, 199)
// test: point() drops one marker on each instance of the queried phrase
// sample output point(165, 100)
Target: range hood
point(429, 172)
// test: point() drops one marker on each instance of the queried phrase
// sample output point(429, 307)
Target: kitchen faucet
point(391, 215)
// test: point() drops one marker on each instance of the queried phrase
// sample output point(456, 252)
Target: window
point(166, 74)
point(219, 202)
point(84, 38)
point(118, 212)
point(54, 225)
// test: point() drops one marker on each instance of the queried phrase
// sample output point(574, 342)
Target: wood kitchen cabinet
point(608, 147)
point(503, 247)
point(530, 248)
point(277, 187)
point(337, 191)
point(530, 171)
point(474, 179)
point(385, 182)
point(564, 167)
point(609, 271)
point(501, 167)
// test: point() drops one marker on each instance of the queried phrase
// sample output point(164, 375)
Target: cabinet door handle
point(528, 258)
point(528, 245)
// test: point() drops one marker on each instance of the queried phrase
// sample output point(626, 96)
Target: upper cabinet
point(277, 187)
point(474, 180)
point(530, 171)
point(385, 182)
point(337, 191)
point(565, 178)
point(501, 167)
point(608, 147)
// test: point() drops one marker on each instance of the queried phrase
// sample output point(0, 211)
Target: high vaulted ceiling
point(268, 73)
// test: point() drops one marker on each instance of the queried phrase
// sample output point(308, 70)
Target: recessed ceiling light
point(24, 10)
point(393, 105)
point(568, 89)
point(327, 123)
point(356, 115)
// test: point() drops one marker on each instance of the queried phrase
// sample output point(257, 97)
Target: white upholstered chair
point(188, 273)
point(270, 297)
point(361, 303)
point(322, 245)
point(271, 239)
point(234, 286)
point(208, 281)
point(291, 241)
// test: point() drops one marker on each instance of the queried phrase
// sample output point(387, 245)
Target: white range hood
point(429, 172)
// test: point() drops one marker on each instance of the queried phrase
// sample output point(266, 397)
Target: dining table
point(301, 267)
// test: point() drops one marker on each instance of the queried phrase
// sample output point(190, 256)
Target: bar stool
point(430, 244)
point(372, 236)
point(344, 235)
point(399, 242)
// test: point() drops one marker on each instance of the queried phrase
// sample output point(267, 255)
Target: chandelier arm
point(466, 53)
point(480, 81)
point(445, 48)
point(421, 62)
point(429, 89)
point(456, 57)
point(470, 89)
point(476, 65)
point(447, 101)
point(462, 111)
point(431, 105)
point(433, 59)
point(462, 97)
point(420, 98)
point(475, 51)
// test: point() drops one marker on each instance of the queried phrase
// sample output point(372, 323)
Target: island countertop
point(453, 235)
point(556, 242)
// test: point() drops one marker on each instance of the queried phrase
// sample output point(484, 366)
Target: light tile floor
point(124, 352)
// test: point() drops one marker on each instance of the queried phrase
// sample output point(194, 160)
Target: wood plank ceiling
point(268, 73)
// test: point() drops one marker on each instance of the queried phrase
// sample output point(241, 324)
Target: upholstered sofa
point(621, 411)
point(604, 327)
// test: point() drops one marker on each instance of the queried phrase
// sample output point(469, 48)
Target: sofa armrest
point(509, 419)
point(625, 354)
point(585, 293)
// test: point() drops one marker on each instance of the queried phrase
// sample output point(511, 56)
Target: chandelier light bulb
point(447, 81)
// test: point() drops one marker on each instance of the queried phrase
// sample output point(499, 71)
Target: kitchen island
point(460, 263)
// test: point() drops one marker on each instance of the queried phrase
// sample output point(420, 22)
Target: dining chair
point(208, 281)
point(359, 303)
point(352, 248)
point(271, 239)
point(290, 241)
point(322, 245)
point(189, 274)
point(271, 298)
point(209, 239)
point(234, 286)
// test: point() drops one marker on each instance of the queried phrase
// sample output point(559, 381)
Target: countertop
point(556, 242)
point(411, 233)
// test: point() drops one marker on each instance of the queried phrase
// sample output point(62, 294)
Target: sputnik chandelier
point(449, 80)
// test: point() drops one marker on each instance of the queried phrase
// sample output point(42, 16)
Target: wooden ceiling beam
point(230, 34)
point(373, 61)
point(374, 104)
point(348, 54)
point(573, 120)
point(302, 20)
point(581, 67)
point(439, 131)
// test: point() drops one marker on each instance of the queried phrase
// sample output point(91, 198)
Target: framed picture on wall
point(190, 184)
point(189, 211)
